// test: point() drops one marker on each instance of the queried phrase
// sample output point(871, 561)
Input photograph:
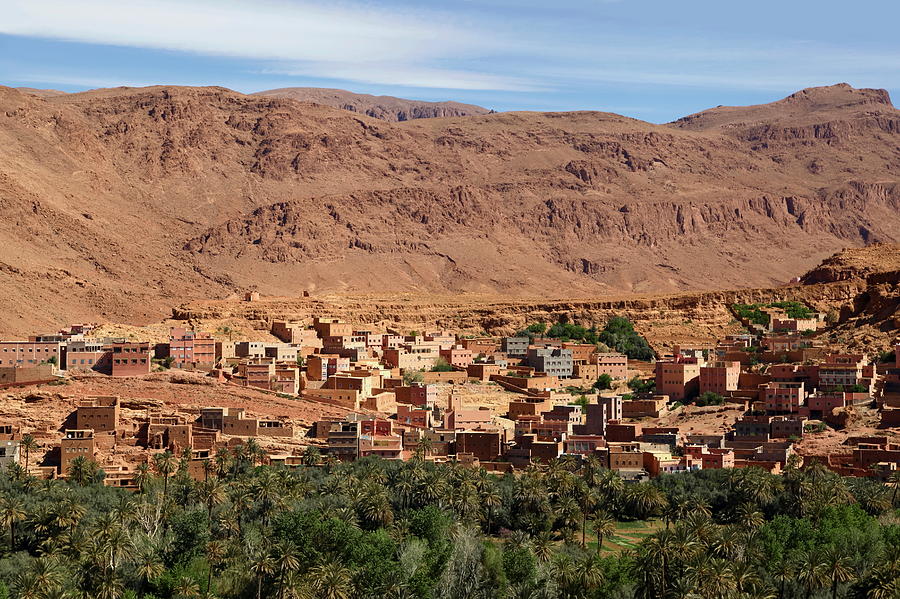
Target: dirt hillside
point(117, 204)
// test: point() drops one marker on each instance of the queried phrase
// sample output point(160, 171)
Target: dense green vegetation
point(708, 398)
point(441, 365)
point(374, 529)
point(618, 334)
point(639, 385)
point(754, 313)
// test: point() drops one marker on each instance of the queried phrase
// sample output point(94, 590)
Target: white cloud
point(334, 40)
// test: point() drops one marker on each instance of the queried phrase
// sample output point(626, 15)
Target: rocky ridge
point(120, 203)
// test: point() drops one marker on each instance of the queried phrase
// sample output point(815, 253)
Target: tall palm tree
point(837, 567)
point(782, 570)
point(604, 526)
point(29, 444)
point(215, 553)
point(261, 565)
point(165, 463)
point(212, 493)
point(286, 561)
point(491, 499)
point(311, 455)
point(12, 510)
point(332, 581)
point(811, 573)
point(142, 476)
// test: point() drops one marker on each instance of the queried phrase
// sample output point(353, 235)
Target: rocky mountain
point(386, 108)
point(119, 203)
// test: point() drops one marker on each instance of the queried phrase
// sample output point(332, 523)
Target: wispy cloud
point(351, 42)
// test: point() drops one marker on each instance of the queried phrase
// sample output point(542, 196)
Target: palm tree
point(186, 588)
point(215, 553)
point(29, 444)
point(83, 471)
point(811, 572)
point(332, 581)
point(12, 510)
point(286, 561)
point(490, 499)
point(782, 571)
point(142, 477)
point(837, 567)
point(604, 525)
point(311, 455)
point(165, 463)
point(542, 544)
point(212, 493)
point(261, 565)
point(147, 566)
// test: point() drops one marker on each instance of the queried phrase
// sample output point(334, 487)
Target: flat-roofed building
point(100, 413)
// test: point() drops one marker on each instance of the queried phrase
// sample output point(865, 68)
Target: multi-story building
point(678, 378)
point(783, 398)
point(191, 349)
point(514, 347)
point(85, 355)
point(844, 370)
point(99, 413)
point(258, 373)
point(719, 377)
point(24, 354)
point(130, 358)
point(457, 356)
point(321, 366)
point(613, 364)
point(551, 361)
point(74, 444)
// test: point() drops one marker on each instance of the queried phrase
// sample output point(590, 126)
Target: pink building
point(457, 356)
point(720, 377)
point(783, 398)
point(678, 378)
point(710, 457)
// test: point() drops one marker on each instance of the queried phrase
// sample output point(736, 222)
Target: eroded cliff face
point(118, 203)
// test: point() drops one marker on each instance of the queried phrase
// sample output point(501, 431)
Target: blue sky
point(655, 60)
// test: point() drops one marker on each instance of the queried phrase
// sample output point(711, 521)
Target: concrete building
point(551, 361)
point(719, 377)
point(783, 398)
point(130, 358)
point(9, 452)
point(25, 354)
point(678, 378)
point(613, 364)
point(191, 349)
point(515, 347)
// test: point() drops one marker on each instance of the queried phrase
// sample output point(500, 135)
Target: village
point(759, 398)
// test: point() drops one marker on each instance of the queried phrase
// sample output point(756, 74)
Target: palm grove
point(416, 529)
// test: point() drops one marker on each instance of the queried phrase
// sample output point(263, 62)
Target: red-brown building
point(191, 349)
point(719, 377)
point(130, 358)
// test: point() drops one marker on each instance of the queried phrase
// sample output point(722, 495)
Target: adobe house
point(99, 413)
point(75, 443)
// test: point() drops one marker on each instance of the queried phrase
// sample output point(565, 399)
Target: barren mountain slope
point(118, 203)
point(387, 108)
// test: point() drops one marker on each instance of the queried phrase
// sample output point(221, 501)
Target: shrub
point(441, 365)
point(708, 398)
point(604, 381)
